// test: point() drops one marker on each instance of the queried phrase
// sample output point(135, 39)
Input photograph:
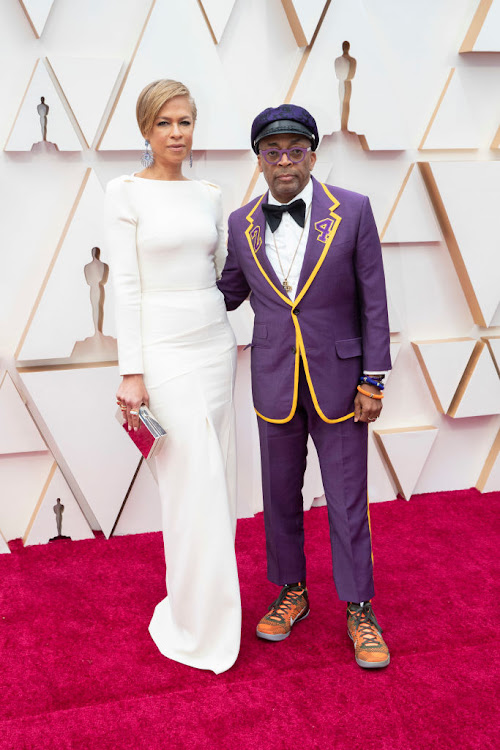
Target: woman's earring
point(190, 158)
point(147, 158)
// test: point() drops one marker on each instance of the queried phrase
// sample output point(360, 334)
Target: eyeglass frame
point(286, 151)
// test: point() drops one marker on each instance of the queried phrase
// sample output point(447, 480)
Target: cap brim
point(284, 126)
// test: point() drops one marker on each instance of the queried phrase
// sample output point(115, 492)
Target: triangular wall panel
point(488, 39)
point(217, 12)
point(142, 510)
point(443, 363)
point(318, 88)
point(493, 343)
point(405, 451)
point(87, 84)
point(64, 313)
point(37, 12)
point(303, 17)
point(22, 478)
point(43, 523)
point(412, 218)
point(467, 112)
point(480, 393)
point(489, 479)
point(482, 35)
point(27, 131)
point(466, 196)
point(19, 433)
point(380, 485)
point(4, 547)
point(190, 58)
point(101, 458)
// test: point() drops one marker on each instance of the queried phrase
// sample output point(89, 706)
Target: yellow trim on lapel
point(333, 231)
point(249, 239)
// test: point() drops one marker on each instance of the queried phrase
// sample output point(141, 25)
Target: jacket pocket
point(259, 331)
point(347, 348)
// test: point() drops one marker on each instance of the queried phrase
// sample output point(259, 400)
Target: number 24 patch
point(324, 228)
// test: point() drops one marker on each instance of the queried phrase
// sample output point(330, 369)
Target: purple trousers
point(342, 452)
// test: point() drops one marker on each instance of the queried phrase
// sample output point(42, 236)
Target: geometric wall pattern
point(26, 133)
point(37, 12)
point(466, 197)
point(87, 84)
point(479, 391)
point(100, 456)
point(461, 375)
point(489, 479)
point(405, 451)
point(482, 35)
point(52, 334)
point(192, 57)
point(43, 524)
point(4, 547)
point(493, 343)
point(217, 14)
point(421, 140)
point(412, 218)
point(467, 113)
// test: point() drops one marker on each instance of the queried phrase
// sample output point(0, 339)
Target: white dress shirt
point(288, 236)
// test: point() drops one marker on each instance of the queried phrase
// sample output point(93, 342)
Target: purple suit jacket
point(338, 322)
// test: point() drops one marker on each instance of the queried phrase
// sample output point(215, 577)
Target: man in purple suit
point(310, 256)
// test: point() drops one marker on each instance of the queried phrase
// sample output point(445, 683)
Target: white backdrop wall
point(423, 143)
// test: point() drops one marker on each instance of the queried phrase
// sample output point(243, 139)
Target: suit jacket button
point(296, 311)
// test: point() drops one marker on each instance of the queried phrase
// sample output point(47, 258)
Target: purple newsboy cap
point(287, 118)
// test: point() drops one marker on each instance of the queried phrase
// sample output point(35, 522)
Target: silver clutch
point(149, 437)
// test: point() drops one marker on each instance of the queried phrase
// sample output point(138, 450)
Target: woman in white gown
point(177, 353)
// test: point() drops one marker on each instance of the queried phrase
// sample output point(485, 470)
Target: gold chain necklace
point(286, 284)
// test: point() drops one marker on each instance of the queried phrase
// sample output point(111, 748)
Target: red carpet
point(79, 670)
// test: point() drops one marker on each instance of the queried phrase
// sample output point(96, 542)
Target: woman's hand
point(131, 395)
point(367, 409)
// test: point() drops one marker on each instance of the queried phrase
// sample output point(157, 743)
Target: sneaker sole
point(280, 636)
point(370, 664)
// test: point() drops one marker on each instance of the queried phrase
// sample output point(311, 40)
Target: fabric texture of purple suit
point(307, 357)
point(338, 321)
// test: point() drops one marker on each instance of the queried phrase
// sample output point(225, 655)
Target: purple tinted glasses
point(296, 154)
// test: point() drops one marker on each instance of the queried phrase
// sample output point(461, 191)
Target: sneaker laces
point(288, 597)
point(364, 623)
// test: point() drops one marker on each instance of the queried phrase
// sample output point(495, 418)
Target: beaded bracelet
point(371, 381)
point(370, 395)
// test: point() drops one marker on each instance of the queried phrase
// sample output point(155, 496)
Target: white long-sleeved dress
point(166, 248)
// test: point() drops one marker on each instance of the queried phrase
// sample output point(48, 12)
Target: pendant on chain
point(286, 286)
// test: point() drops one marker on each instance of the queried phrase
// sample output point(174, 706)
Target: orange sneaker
point(370, 649)
point(291, 606)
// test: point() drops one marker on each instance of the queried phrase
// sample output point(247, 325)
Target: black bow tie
point(273, 213)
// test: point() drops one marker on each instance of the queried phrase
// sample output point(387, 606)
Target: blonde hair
point(153, 97)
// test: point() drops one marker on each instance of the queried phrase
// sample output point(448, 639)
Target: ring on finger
point(134, 413)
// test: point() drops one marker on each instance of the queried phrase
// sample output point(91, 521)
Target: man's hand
point(367, 409)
